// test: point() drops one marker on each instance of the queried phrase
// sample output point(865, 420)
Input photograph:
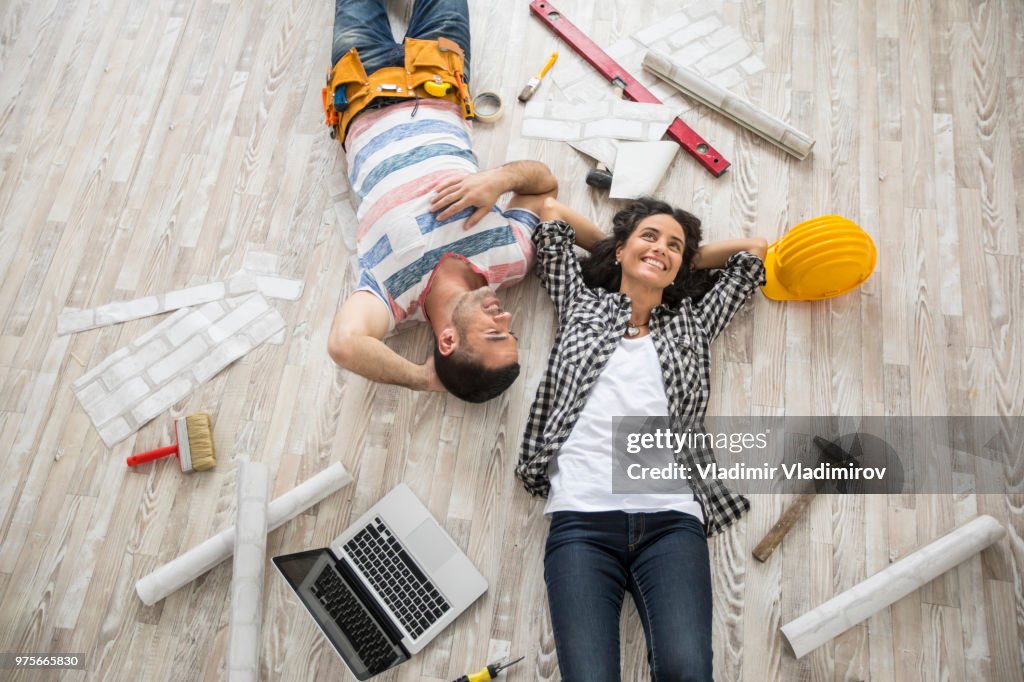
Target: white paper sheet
point(639, 168)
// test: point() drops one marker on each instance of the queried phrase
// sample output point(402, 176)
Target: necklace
point(634, 329)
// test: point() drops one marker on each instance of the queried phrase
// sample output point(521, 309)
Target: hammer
point(829, 452)
point(599, 177)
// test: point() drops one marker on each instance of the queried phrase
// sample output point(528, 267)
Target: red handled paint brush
point(194, 446)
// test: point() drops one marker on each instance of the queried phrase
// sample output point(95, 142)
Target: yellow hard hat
point(819, 258)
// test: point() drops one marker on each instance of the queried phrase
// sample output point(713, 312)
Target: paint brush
point(531, 86)
point(194, 446)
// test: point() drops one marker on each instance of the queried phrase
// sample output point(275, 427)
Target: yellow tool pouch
point(350, 90)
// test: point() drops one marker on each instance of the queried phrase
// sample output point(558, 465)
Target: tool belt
point(433, 69)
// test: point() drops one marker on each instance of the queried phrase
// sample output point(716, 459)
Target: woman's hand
point(714, 254)
point(587, 233)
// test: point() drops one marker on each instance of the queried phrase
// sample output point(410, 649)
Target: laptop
point(386, 586)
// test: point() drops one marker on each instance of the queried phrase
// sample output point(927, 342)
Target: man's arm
point(587, 233)
point(714, 254)
point(530, 180)
point(355, 344)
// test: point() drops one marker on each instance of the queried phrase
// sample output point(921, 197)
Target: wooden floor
point(145, 146)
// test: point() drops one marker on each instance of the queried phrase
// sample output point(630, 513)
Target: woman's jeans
point(591, 558)
point(363, 24)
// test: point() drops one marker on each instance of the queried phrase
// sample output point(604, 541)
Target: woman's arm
point(587, 233)
point(743, 271)
point(557, 265)
point(714, 254)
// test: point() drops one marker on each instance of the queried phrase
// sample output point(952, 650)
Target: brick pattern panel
point(621, 119)
point(123, 311)
point(166, 364)
point(247, 572)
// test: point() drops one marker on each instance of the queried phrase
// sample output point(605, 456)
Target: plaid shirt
point(591, 322)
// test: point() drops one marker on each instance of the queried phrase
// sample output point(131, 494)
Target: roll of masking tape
point(488, 107)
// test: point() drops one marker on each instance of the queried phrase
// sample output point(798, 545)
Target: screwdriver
point(488, 673)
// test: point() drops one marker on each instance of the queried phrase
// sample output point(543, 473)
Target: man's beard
point(468, 304)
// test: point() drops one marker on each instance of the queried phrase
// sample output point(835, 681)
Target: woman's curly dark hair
point(601, 271)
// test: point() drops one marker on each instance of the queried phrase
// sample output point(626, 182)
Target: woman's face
point(653, 253)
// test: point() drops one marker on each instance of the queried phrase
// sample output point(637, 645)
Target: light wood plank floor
point(145, 146)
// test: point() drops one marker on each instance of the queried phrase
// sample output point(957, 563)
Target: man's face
point(483, 328)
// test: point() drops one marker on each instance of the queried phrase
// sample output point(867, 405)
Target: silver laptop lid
point(440, 578)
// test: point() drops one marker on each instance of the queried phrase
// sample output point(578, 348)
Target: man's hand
point(431, 382)
point(529, 180)
point(355, 344)
point(480, 190)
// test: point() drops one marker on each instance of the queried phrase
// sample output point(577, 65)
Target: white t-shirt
point(581, 474)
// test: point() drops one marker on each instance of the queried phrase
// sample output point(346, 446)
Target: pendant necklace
point(634, 329)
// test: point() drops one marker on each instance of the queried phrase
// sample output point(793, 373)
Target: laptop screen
point(339, 607)
point(295, 567)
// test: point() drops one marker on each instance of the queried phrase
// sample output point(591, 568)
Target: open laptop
point(386, 586)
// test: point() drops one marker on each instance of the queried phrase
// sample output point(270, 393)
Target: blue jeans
point(363, 24)
point(591, 558)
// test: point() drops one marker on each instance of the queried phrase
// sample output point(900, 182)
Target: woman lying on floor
point(636, 320)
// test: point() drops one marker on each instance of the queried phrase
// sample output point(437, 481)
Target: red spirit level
point(633, 89)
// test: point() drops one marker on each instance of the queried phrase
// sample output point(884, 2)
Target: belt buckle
point(381, 102)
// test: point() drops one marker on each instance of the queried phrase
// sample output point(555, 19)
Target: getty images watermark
point(665, 440)
point(866, 455)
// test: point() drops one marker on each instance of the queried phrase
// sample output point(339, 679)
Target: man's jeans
point(363, 24)
point(591, 558)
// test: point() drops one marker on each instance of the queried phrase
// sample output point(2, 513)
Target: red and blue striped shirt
point(397, 157)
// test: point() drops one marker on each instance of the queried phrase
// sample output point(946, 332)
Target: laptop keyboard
point(372, 647)
point(397, 579)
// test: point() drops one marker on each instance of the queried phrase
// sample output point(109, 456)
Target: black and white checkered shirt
point(591, 322)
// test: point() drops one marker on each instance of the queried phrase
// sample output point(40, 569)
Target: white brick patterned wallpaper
point(622, 119)
point(122, 311)
point(247, 571)
point(141, 380)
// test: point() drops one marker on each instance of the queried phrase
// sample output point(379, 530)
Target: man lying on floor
point(432, 245)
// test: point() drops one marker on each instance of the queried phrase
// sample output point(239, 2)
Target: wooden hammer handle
point(788, 519)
